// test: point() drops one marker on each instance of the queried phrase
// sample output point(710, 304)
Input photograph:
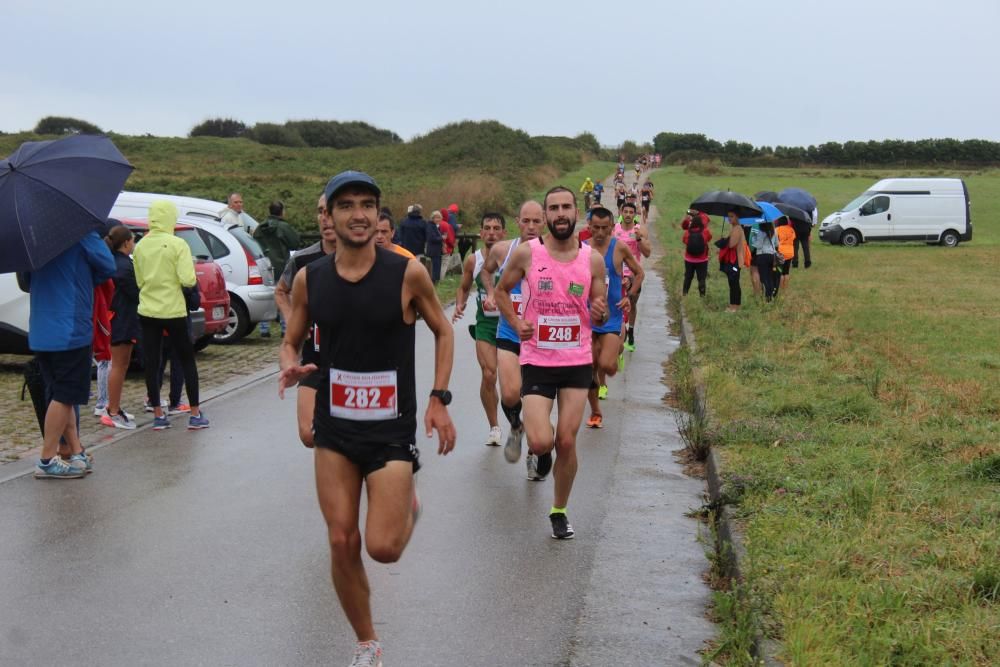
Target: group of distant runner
point(554, 315)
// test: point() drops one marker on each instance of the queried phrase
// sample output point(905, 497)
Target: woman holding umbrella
point(731, 249)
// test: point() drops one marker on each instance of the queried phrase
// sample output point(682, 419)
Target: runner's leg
point(510, 385)
point(305, 404)
point(486, 354)
point(338, 487)
point(571, 402)
point(389, 524)
point(537, 427)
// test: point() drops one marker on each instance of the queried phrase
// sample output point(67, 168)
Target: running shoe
point(493, 440)
point(544, 464)
point(99, 410)
point(178, 409)
point(561, 530)
point(367, 654)
point(197, 423)
point(512, 450)
point(120, 420)
point(83, 461)
point(148, 407)
point(602, 392)
point(621, 362)
point(532, 462)
point(58, 469)
point(160, 423)
point(630, 346)
point(595, 421)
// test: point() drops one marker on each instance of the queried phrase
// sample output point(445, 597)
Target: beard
point(347, 242)
point(561, 236)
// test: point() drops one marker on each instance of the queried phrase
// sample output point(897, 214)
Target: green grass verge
point(858, 421)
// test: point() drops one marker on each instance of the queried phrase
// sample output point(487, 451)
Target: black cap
point(348, 178)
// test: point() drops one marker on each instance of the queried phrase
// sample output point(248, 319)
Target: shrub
point(227, 128)
point(65, 125)
point(704, 168)
point(273, 134)
point(335, 134)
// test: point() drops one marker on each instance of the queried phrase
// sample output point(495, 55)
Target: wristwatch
point(443, 395)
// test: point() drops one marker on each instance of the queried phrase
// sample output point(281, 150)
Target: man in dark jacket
point(413, 231)
point(277, 239)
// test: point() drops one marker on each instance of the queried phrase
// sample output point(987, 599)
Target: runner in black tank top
point(365, 301)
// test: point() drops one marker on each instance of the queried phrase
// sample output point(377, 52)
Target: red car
point(211, 281)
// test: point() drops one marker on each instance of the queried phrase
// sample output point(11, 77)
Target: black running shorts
point(370, 457)
point(548, 380)
point(509, 345)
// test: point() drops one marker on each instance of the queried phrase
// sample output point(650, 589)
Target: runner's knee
point(385, 549)
point(345, 541)
point(489, 376)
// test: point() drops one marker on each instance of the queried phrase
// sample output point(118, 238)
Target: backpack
point(696, 240)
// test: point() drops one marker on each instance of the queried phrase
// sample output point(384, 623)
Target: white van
point(933, 210)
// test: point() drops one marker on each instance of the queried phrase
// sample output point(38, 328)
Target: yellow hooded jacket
point(163, 264)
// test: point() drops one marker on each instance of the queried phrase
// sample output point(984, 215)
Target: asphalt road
point(207, 548)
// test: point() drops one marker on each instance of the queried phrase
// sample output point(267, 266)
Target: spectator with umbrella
point(733, 206)
point(804, 201)
point(54, 200)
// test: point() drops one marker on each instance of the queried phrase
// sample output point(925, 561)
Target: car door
point(875, 218)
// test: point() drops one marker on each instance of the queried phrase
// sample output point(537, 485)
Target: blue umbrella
point(798, 198)
point(769, 213)
point(52, 194)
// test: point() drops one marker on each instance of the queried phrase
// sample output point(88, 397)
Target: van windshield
point(856, 203)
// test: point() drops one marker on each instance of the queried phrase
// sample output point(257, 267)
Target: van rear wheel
point(850, 239)
point(949, 239)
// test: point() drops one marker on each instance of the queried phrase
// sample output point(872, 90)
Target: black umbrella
point(721, 202)
point(766, 195)
point(794, 213)
point(799, 198)
point(52, 194)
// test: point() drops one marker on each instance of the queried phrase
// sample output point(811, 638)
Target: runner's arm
point(644, 246)
point(427, 305)
point(598, 303)
point(283, 296)
point(490, 267)
point(462, 294)
point(296, 327)
point(517, 267)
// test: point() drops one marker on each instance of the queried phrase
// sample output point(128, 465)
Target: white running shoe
point(367, 654)
point(496, 434)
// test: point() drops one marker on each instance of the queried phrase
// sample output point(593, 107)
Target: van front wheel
point(850, 239)
point(949, 239)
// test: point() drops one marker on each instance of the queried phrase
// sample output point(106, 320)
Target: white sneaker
point(367, 654)
point(99, 410)
point(149, 408)
point(496, 434)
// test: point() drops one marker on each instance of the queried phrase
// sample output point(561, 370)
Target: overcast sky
point(789, 72)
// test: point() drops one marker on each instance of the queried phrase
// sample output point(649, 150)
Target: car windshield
point(856, 203)
point(247, 242)
point(198, 247)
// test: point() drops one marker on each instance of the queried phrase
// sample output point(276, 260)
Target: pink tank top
point(628, 238)
point(558, 309)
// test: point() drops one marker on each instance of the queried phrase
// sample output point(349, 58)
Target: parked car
point(248, 274)
point(933, 210)
point(211, 281)
point(15, 307)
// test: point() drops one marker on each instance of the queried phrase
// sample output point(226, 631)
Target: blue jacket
point(413, 234)
point(62, 296)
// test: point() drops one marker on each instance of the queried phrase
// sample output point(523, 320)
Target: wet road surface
point(207, 548)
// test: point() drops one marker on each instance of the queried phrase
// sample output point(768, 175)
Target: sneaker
point(367, 654)
point(544, 464)
point(178, 409)
point(82, 461)
point(493, 439)
point(630, 346)
point(120, 420)
point(621, 362)
point(602, 392)
point(58, 469)
point(160, 423)
point(99, 410)
point(147, 406)
point(595, 421)
point(561, 530)
point(532, 462)
point(197, 423)
point(512, 450)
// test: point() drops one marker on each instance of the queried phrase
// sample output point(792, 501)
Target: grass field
point(858, 421)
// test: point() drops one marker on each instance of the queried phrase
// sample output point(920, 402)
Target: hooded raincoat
point(163, 264)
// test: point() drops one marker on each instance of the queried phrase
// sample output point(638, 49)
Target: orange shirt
point(786, 241)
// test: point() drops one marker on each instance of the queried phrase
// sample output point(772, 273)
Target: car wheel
point(238, 325)
point(850, 239)
point(202, 343)
point(949, 239)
